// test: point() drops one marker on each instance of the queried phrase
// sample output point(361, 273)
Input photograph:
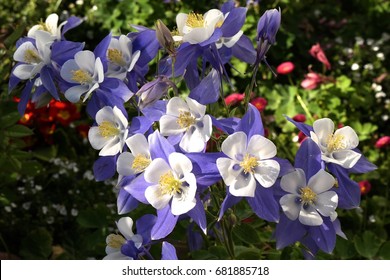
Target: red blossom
point(285, 68)
point(382, 142)
point(234, 98)
point(365, 187)
point(301, 136)
point(63, 112)
point(317, 52)
point(312, 80)
point(260, 103)
point(299, 118)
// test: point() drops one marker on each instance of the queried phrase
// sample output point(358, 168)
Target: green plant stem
point(228, 242)
point(249, 89)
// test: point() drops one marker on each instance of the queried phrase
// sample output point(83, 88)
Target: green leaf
point(93, 218)
point(345, 248)
point(384, 252)
point(368, 244)
point(244, 253)
point(18, 131)
point(9, 119)
point(246, 233)
point(203, 255)
point(36, 245)
point(46, 154)
point(219, 251)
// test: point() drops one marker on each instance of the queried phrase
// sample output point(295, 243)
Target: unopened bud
point(165, 38)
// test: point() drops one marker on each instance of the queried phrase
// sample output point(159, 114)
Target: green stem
point(249, 89)
point(303, 104)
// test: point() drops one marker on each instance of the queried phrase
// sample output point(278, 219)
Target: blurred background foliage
point(52, 208)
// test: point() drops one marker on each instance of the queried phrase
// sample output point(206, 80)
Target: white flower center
point(308, 196)
point(140, 163)
point(108, 129)
point(185, 120)
point(249, 163)
point(169, 184)
point(115, 241)
point(81, 76)
point(116, 57)
point(31, 56)
point(335, 142)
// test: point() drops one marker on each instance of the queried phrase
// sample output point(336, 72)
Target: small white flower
point(116, 241)
point(33, 57)
point(355, 67)
point(196, 28)
point(84, 70)
point(121, 58)
point(110, 133)
point(307, 200)
point(139, 158)
point(171, 182)
point(380, 56)
point(336, 146)
point(49, 26)
point(247, 162)
point(188, 117)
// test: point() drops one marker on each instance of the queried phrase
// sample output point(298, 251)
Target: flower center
point(195, 20)
point(31, 56)
point(308, 196)
point(335, 142)
point(169, 184)
point(115, 56)
point(115, 241)
point(185, 120)
point(249, 163)
point(81, 76)
point(108, 129)
point(140, 163)
point(65, 115)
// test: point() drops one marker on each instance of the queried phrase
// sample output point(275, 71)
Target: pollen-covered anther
point(31, 56)
point(249, 163)
point(140, 163)
point(185, 120)
point(116, 56)
point(169, 184)
point(115, 241)
point(335, 142)
point(195, 20)
point(81, 76)
point(108, 129)
point(308, 196)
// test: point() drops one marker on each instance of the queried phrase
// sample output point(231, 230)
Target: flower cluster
point(161, 154)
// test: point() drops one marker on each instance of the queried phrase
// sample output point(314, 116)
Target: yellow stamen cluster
point(169, 184)
point(115, 241)
point(249, 163)
point(31, 56)
point(81, 76)
point(185, 120)
point(308, 196)
point(335, 142)
point(140, 163)
point(195, 20)
point(108, 129)
point(116, 56)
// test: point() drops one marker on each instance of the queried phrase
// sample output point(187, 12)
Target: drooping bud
point(164, 37)
point(150, 92)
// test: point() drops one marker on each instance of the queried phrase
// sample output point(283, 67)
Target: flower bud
point(150, 92)
point(164, 37)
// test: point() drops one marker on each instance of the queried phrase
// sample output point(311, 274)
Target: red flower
point(234, 98)
point(259, 103)
point(63, 112)
point(285, 68)
point(365, 187)
point(317, 52)
point(382, 142)
point(83, 129)
point(299, 118)
point(301, 136)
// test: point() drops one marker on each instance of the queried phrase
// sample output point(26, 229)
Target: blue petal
point(125, 202)
point(101, 50)
point(306, 129)
point(324, 236)
point(243, 49)
point(104, 168)
point(155, 111)
point(144, 227)
point(146, 42)
point(311, 250)
point(227, 203)
point(166, 222)
point(264, 204)
point(198, 214)
point(168, 251)
point(227, 6)
point(205, 168)
point(137, 188)
point(215, 37)
point(25, 97)
point(337, 228)
point(116, 88)
point(191, 75)
point(362, 166)
point(140, 125)
point(208, 90)
point(251, 123)
point(159, 146)
point(228, 125)
point(285, 166)
point(129, 249)
point(48, 82)
point(288, 232)
point(13, 80)
point(233, 22)
point(308, 158)
point(71, 23)
point(62, 51)
point(194, 238)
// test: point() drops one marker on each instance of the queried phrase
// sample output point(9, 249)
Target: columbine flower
point(171, 182)
point(49, 26)
point(152, 91)
point(86, 72)
point(247, 162)
point(120, 57)
point(110, 133)
point(139, 158)
point(115, 242)
point(307, 200)
point(33, 57)
point(188, 117)
point(336, 146)
point(196, 28)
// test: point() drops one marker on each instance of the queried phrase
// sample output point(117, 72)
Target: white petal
point(85, 60)
point(323, 128)
point(310, 217)
point(117, 256)
point(124, 163)
point(155, 170)
point(112, 147)
point(137, 239)
point(192, 141)
point(234, 145)
point(350, 139)
point(198, 110)
point(125, 227)
point(181, 20)
point(229, 170)
point(105, 114)
point(20, 52)
point(180, 164)
point(67, 70)
point(290, 206)
point(293, 181)
point(96, 139)
point(244, 185)
point(186, 200)
point(138, 145)
point(51, 23)
point(321, 181)
point(198, 35)
point(205, 127)
point(176, 106)
point(230, 42)
point(134, 58)
point(99, 71)
point(24, 71)
point(326, 203)
point(156, 198)
point(346, 158)
point(213, 16)
point(120, 118)
point(169, 126)
point(267, 172)
point(74, 93)
point(261, 147)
